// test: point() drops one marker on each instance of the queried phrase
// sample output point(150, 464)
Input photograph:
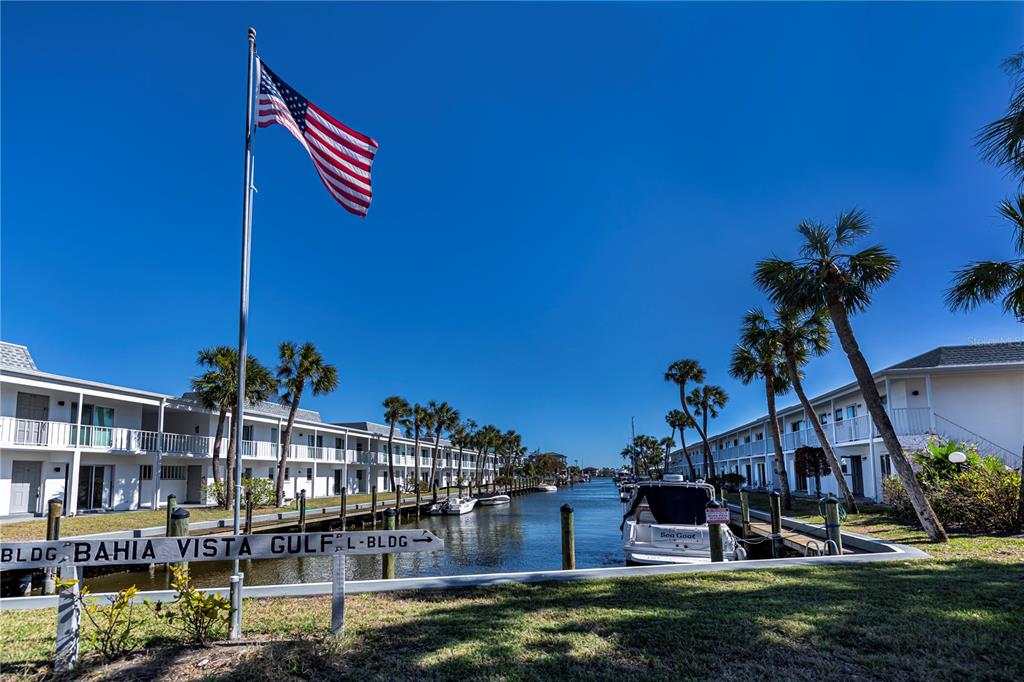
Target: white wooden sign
point(24, 555)
point(717, 515)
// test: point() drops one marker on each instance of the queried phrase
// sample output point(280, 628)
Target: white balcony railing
point(911, 421)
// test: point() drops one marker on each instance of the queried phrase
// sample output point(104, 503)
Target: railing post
point(302, 511)
point(832, 524)
point(568, 539)
point(775, 502)
point(52, 533)
point(388, 560)
point(373, 502)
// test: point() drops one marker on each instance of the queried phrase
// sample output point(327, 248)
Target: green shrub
point(197, 615)
point(112, 626)
point(978, 496)
point(264, 491)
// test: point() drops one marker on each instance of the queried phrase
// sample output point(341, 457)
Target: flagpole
point(235, 631)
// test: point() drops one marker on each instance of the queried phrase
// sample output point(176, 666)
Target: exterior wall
point(51, 480)
point(990, 404)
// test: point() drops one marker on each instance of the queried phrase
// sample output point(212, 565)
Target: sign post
point(71, 553)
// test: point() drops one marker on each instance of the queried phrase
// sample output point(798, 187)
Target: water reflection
point(524, 535)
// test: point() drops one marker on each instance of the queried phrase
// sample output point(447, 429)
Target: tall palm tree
point(1002, 141)
point(419, 423)
point(297, 367)
point(396, 412)
point(827, 276)
point(706, 401)
point(682, 372)
point(666, 444)
point(680, 421)
point(462, 437)
point(804, 334)
point(510, 445)
point(218, 390)
point(759, 356)
point(487, 439)
point(445, 418)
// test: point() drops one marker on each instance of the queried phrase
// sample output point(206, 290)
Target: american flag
point(342, 157)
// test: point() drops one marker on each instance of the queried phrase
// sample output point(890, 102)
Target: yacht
point(664, 523)
point(547, 488)
point(493, 500)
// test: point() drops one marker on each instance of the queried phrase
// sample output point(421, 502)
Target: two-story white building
point(113, 447)
point(973, 394)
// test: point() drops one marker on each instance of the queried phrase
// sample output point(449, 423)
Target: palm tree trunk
point(229, 484)
point(700, 432)
point(458, 475)
point(416, 463)
point(433, 464)
point(709, 460)
point(286, 439)
point(221, 418)
point(925, 514)
point(780, 460)
point(391, 456)
point(830, 455)
point(686, 453)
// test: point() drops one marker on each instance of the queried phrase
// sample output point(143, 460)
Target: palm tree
point(487, 438)
point(298, 366)
point(510, 445)
point(445, 418)
point(706, 401)
point(826, 276)
point(1002, 141)
point(218, 390)
point(666, 444)
point(682, 372)
point(396, 412)
point(462, 437)
point(760, 356)
point(680, 421)
point(418, 423)
point(804, 334)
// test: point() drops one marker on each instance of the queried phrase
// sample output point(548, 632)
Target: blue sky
point(566, 197)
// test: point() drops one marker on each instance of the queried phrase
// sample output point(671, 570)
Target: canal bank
point(523, 535)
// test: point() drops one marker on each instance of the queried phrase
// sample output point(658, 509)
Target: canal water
point(524, 535)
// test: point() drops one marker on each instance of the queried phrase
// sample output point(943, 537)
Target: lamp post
point(958, 458)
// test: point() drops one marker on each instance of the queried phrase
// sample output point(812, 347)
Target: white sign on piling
point(717, 515)
point(71, 553)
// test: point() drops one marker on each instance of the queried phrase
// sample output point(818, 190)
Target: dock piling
point(832, 530)
point(715, 536)
point(387, 564)
point(745, 513)
point(52, 533)
point(179, 527)
point(344, 507)
point(373, 503)
point(302, 511)
point(568, 540)
point(775, 501)
point(171, 503)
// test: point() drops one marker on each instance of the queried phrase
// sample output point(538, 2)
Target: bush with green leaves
point(198, 615)
point(112, 625)
point(263, 491)
point(977, 496)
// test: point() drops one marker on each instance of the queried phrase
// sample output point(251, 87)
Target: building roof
point(266, 408)
point(960, 356)
point(16, 356)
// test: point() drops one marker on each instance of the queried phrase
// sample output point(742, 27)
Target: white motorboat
point(493, 500)
point(665, 523)
point(460, 505)
point(546, 488)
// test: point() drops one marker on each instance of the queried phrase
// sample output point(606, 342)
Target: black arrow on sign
point(422, 540)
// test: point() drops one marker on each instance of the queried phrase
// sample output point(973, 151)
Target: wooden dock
point(805, 545)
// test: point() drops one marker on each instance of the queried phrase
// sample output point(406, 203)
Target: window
point(839, 415)
point(247, 474)
point(145, 472)
point(797, 425)
point(247, 432)
point(759, 435)
point(172, 472)
point(339, 443)
point(823, 418)
point(851, 411)
point(33, 406)
point(287, 473)
point(746, 439)
point(886, 465)
point(309, 473)
point(885, 399)
point(273, 435)
point(270, 473)
point(735, 442)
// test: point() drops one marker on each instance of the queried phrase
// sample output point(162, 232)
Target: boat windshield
point(673, 504)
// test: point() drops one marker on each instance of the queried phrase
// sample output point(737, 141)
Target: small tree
point(811, 462)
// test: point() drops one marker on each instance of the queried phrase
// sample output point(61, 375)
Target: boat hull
point(493, 501)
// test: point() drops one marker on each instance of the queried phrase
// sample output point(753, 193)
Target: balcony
point(64, 436)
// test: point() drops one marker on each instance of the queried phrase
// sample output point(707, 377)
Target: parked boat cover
point(672, 504)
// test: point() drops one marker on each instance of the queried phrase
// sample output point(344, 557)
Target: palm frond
point(1013, 211)
point(851, 226)
point(985, 281)
point(817, 240)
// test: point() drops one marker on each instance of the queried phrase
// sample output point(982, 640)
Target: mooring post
point(715, 536)
point(832, 530)
point(302, 511)
point(171, 503)
point(52, 533)
point(387, 563)
point(248, 511)
point(338, 595)
point(435, 492)
point(373, 503)
point(745, 513)
point(179, 526)
point(68, 622)
point(568, 540)
point(775, 502)
point(344, 507)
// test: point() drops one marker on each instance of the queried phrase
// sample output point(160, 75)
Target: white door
point(25, 477)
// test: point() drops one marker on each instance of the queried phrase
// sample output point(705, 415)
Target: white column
point(71, 496)
point(931, 406)
point(159, 456)
point(888, 396)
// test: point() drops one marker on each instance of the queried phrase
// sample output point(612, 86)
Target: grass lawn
point(957, 616)
point(35, 529)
